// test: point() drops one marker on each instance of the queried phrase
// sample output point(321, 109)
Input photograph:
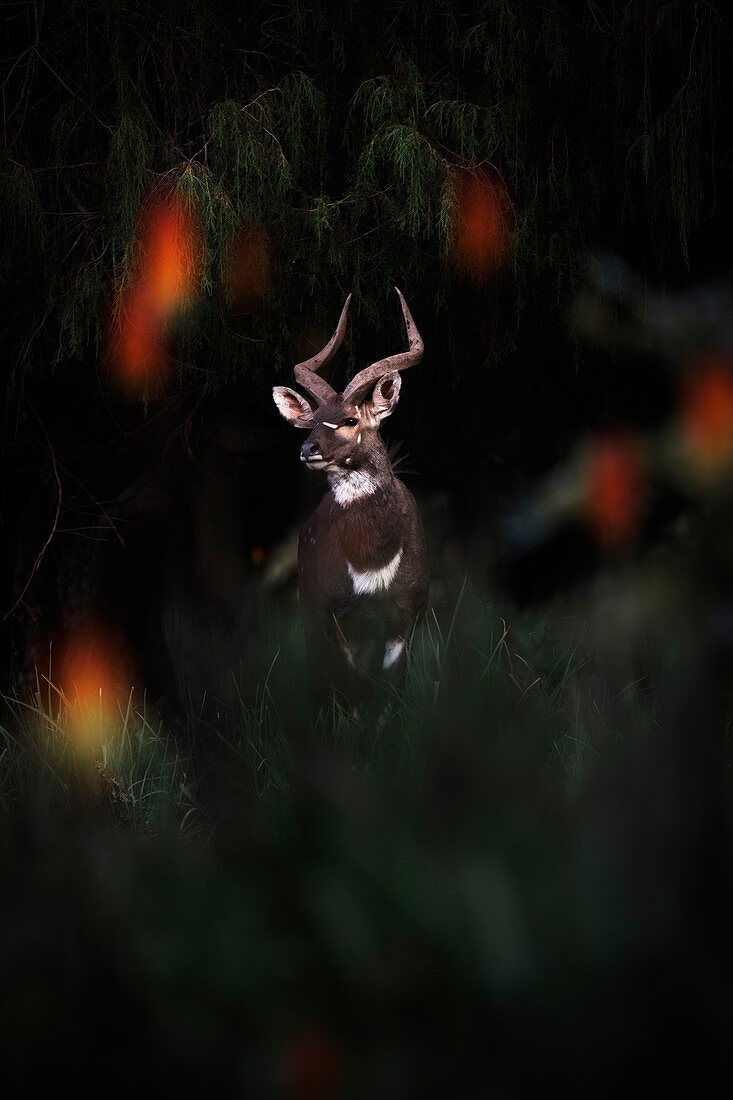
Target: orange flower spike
point(614, 489)
point(95, 679)
point(138, 355)
point(706, 414)
point(313, 1065)
point(480, 234)
point(170, 260)
point(165, 280)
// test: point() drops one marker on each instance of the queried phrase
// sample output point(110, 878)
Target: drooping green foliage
point(338, 129)
point(127, 168)
point(23, 213)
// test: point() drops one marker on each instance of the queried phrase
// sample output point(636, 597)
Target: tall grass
point(120, 765)
point(518, 877)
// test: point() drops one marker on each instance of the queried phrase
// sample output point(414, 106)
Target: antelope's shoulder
point(318, 535)
point(404, 497)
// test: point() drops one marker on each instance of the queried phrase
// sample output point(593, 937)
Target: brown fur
point(365, 519)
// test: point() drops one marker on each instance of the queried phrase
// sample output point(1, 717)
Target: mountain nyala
point(362, 556)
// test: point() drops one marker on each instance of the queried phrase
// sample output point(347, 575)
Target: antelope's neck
point(373, 477)
point(367, 515)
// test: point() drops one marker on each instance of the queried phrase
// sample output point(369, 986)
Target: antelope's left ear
point(384, 397)
point(293, 407)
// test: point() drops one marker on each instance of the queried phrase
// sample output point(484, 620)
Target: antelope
point(362, 556)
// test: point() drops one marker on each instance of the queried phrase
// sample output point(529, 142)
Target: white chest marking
point(392, 651)
point(375, 580)
point(347, 488)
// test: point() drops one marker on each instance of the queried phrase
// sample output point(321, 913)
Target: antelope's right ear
point(293, 407)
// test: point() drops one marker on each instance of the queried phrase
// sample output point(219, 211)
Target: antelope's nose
point(309, 451)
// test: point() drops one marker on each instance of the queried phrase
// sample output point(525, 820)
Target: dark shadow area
point(517, 875)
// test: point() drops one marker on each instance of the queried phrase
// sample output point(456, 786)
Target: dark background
point(344, 133)
point(525, 880)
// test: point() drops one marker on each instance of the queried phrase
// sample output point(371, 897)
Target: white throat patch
point(375, 580)
point(348, 487)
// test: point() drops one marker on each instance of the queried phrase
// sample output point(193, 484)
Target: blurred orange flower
point(164, 282)
point(614, 488)
point(313, 1064)
point(706, 415)
point(480, 236)
point(93, 672)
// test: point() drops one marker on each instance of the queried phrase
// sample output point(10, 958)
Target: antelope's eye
point(350, 422)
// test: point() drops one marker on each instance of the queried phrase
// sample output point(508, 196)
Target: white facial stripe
point(392, 651)
point(351, 486)
point(327, 425)
point(375, 580)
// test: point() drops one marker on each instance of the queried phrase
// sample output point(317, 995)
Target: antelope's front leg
point(346, 674)
point(394, 664)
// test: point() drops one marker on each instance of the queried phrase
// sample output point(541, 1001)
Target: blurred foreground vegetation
point(519, 881)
